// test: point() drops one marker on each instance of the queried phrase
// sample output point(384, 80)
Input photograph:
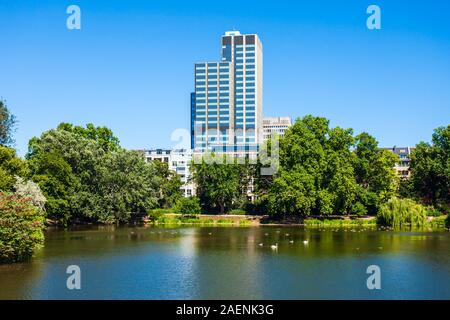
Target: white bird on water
point(291, 241)
point(274, 246)
point(261, 244)
point(305, 241)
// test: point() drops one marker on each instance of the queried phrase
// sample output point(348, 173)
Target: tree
point(169, 185)
point(219, 184)
point(10, 167)
point(7, 123)
point(30, 190)
point(103, 136)
point(316, 174)
point(375, 174)
point(21, 228)
point(430, 169)
point(188, 206)
point(327, 171)
point(88, 181)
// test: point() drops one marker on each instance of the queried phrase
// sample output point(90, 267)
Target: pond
point(233, 263)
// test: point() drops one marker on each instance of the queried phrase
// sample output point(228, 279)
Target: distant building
point(277, 125)
point(403, 166)
point(178, 161)
point(226, 107)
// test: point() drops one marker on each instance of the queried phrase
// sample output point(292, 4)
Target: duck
point(274, 246)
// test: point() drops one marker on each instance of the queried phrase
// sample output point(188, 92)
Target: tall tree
point(430, 168)
point(219, 185)
point(169, 186)
point(89, 182)
point(374, 170)
point(7, 123)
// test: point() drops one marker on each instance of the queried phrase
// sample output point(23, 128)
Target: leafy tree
point(10, 167)
point(21, 228)
point(84, 180)
point(430, 169)
point(375, 174)
point(188, 206)
point(219, 184)
point(327, 171)
point(169, 185)
point(7, 123)
point(316, 174)
point(30, 190)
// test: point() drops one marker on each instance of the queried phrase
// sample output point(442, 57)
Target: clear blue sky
point(130, 67)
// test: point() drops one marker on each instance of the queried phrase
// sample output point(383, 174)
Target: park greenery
point(74, 174)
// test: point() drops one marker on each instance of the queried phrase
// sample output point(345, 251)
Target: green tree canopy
point(219, 185)
point(7, 123)
point(84, 180)
point(430, 169)
point(326, 171)
point(11, 166)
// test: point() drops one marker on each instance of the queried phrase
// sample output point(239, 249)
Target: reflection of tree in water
point(17, 280)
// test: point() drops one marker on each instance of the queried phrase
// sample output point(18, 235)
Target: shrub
point(21, 228)
point(398, 212)
point(31, 190)
point(359, 209)
point(188, 206)
point(433, 212)
point(238, 212)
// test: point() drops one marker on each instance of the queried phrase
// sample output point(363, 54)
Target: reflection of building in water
point(403, 166)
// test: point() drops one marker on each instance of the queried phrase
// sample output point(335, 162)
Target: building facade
point(226, 107)
point(275, 125)
point(178, 161)
point(403, 166)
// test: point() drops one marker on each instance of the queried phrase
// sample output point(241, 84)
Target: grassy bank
point(358, 222)
point(206, 220)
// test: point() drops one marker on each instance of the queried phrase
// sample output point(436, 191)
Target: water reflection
point(234, 263)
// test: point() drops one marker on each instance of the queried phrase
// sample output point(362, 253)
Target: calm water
point(229, 263)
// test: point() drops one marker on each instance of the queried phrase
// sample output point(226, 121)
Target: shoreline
point(174, 219)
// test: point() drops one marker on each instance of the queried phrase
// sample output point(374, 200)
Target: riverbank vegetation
point(73, 174)
point(400, 212)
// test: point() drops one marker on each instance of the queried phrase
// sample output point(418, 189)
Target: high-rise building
point(277, 125)
point(226, 108)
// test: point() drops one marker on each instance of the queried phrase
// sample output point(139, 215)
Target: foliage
point(10, 167)
point(31, 190)
point(21, 228)
point(7, 123)
point(169, 185)
point(374, 173)
point(188, 206)
point(398, 212)
point(84, 178)
point(220, 184)
point(339, 222)
point(238, 212)
point(103, 136)
point(320, 173)
point(430, 169)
